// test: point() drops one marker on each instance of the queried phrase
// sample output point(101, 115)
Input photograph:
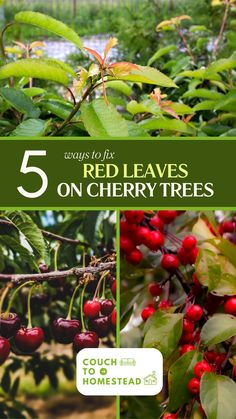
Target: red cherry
point(197, 336)
point(113, 318)
point(200, 368)
point(164, 305)
point(134, 257)
point(183, 256)
point(169, 416)
point(230, 306)
point(186, 348)
point(194, 313)
point(113, 289)
point(101, 326)
point(170, 262)
point(147, 312)
point(193, 255)
point(155, 240)
point(43, 268)
point(155, 289)
point(9, 324)
point(156, 222)
point(188, 326)
point(220, 359)
point(167, 216)
point(29, 340)
point(4, 349)
point(85, 340)
point(194, 386)
point(126, 245)
point(196, 288)
point(189, 242)
point(64, 330)
point(180, 212)
point(211, 356)
point(226, 227)
point(187, 338)
point(201, 410)
point(234, 371)
point(107, 307)
point(133, 217)
point(142, 235)
point(92, 309)
point(128, 230)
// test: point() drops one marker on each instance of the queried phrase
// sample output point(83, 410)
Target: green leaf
point(163, 331)
point(6, 381)
point(181, 108)
point(200, 74)
point(25, 225)
point(227, 104)
point(30, 128)
point(227, 248)
point(48, 23)
point(143, 407)
point(179, 375)
point(2, 261)
point(217, 396)
point(160, 52)
point(33, 91)
point(206, 105)
point(119, 86)
point(135, 130)
point(147, 106)
point(221, 65)
point(216, 272)
point(15, 387)
point(167, 124)
point(149, 75)
point(102, 120)
point(57, 107)
point(218, 328)
point(18, 100)
point(204, 93)
point(34, 68)
point(60, 64)
point(17, 247)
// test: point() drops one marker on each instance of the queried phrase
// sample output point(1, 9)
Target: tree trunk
point(74, 8)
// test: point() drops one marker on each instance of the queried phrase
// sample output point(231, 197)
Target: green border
point(118, 297)
point(117, 209)
point(42, 139)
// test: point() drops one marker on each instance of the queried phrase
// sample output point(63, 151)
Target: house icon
point(150, 380)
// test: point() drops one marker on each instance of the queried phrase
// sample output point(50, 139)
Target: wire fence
point(57, 8)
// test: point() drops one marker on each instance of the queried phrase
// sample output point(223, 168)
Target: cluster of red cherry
point(100, 313)
point(140, 229)
point(136, 230)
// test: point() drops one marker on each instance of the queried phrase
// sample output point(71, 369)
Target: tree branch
point(222, 28)
point(50, 235)
point(40, 277)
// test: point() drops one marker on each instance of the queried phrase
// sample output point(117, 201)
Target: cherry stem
point(84, 255)
point(72, 302)
point(103, 288)
point(82, 307)
point(29, 306)
point(99, 283)
point(14, 294)
point(173, 238)
point(57, 248)
point(3, 296)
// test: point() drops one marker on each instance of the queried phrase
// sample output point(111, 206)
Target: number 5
point(32, 169)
